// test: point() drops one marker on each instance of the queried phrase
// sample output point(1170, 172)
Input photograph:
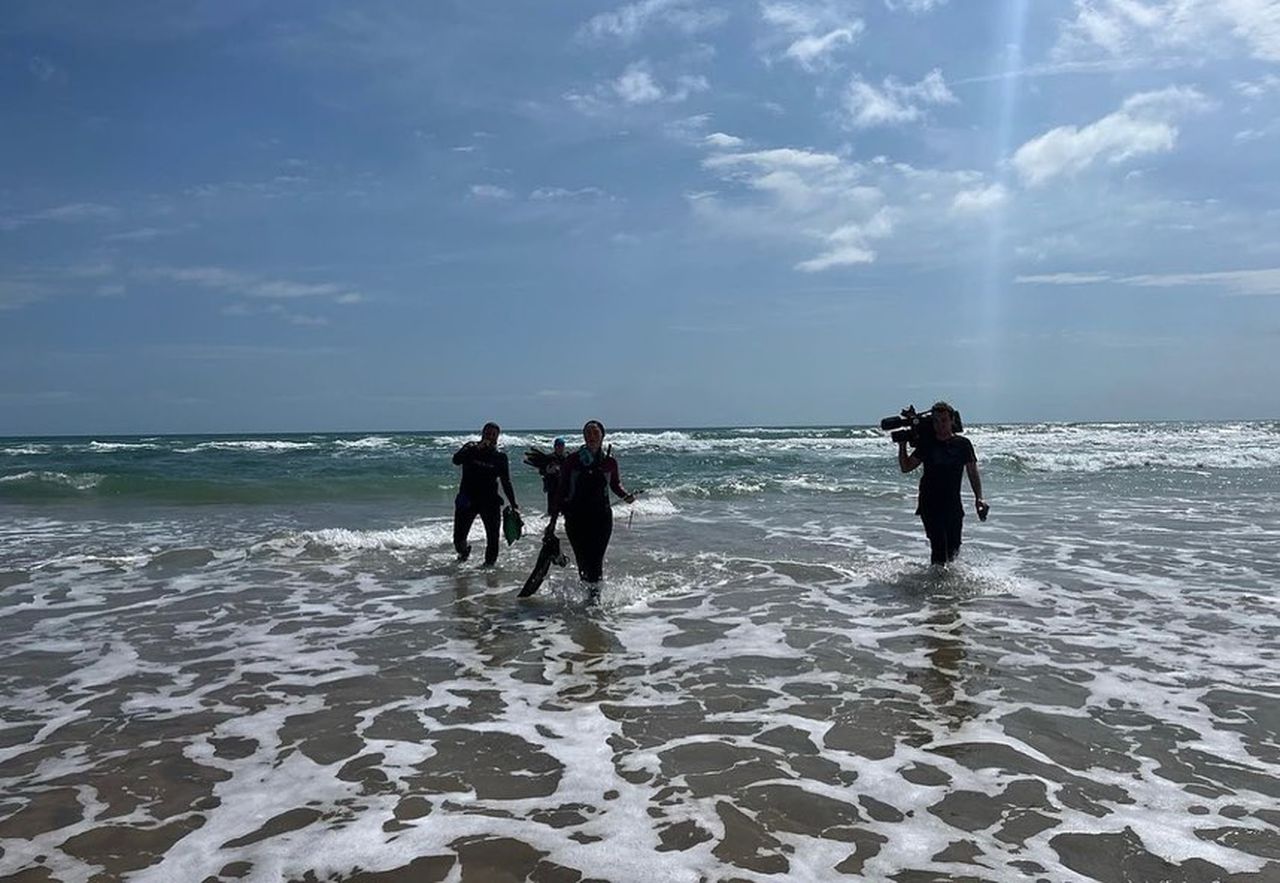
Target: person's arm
point(505, 477)
point(906, 462)
point(615, 482)
point(975, 482)
point(464, 453)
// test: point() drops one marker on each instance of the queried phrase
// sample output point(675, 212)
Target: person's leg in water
point(935, 529)
point(943, 530)
point(589, 535)
point(575, 529)
point(955, 526)
point(601, 533)
point(492, 518)
point(464, 515)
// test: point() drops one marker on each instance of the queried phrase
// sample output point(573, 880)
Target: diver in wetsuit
point(586, 478)
point(483, 466)
point(549, 466)
point(944, 460)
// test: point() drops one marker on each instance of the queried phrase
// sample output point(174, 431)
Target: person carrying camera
point(549, 468)
point(483, 466)
point(944, 459)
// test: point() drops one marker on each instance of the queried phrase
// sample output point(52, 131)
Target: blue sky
point(284, 216)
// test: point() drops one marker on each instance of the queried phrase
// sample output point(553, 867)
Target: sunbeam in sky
point(995, 274)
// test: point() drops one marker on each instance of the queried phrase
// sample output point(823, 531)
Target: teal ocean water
point(254, 658)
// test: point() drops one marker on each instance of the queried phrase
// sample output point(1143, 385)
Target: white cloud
point(279, 288)
point(1184, 29)
point(70, 213)
point(778, 158)
point(1252, 282)
point(840, 211)
point(1258, 88)
point(810, 51)
point(1143, 125)
point(915, 6)
point(1244, 136)
point(894, 102)
point(812, 31)
point(76, 211)
point(1063, 279)
point(552, 194)
point(690, 128)
point(275, 187)
point(638, 86)
point(723, 141)
point(490, 191)
point(979, 200)
point(851, 244)
point(628, 22)
point(143, 234)
point(249, 285)
point(1237, 282)
point(15, 293)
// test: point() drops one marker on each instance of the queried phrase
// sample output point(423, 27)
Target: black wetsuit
point(482, 469)
point(550, 472)
point(583, 496)
point(940, 507)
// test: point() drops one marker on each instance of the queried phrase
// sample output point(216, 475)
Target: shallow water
point(772, 684)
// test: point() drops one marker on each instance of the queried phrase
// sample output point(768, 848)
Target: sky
point(243, 216)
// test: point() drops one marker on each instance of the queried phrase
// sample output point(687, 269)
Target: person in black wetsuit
point(586, 478)
point(944, 460)
point(483, 466)
point(550, 471)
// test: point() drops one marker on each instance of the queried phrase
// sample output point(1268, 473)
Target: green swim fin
point(512, 525)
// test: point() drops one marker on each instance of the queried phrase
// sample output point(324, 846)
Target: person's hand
point(982, 507)
point(630, 498)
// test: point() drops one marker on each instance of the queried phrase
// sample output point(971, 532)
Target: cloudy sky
point(253, 216)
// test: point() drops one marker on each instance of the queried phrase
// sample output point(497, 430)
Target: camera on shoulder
point(916, 428)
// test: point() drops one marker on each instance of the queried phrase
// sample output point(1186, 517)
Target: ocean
point(254, 658)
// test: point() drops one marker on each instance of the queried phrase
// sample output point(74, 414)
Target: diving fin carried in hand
point(548, 555)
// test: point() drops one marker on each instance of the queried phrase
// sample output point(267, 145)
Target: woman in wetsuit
point(586, 478)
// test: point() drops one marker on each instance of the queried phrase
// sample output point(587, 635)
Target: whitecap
point(262, 445)
point(371, 442)
point(80, 481)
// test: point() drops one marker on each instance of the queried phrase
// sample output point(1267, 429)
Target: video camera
point(916, 429)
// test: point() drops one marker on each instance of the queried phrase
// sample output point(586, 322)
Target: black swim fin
point(549, 554)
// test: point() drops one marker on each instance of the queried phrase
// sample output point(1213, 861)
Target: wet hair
point(597, 423)
point(943, 406)
point(559, 440)
point(490, 425)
